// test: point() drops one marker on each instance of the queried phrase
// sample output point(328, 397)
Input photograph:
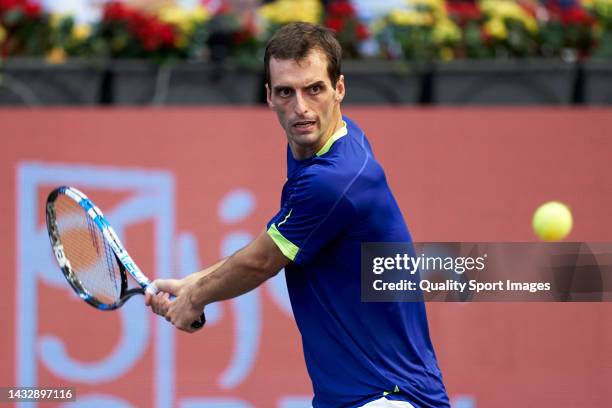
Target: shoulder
point(322, 179)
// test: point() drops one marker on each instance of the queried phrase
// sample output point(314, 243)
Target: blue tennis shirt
point(355, 352)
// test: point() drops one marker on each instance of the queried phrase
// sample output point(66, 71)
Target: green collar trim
point(339, 133)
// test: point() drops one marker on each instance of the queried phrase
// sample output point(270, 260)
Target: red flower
point(335, 24)
point(362, 32)
point(243, 36)
point(32, 10)
point(150, 43)
point(166, 34)
point(341, 8)
point(152, 33)
point(223, 8)
point(138, 21)
point(114, 11)
point(463, 11)
point(146, 28)
point(576, 16)
point(10, 4)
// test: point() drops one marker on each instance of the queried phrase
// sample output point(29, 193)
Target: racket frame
point(124, 260)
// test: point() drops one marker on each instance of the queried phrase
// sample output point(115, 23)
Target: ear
point(269, 96)
point(340, 89)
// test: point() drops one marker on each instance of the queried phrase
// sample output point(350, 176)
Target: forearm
point(208, 270)
point(234, 278)
point(240, 273)
point(194, 277)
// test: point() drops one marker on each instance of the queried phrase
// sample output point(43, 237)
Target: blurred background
point(479, 111)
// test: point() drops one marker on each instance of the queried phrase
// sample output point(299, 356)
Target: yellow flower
point(503, 9)
point(437, 6)
point(200, 14)
point(587, 4)
point(56, 56)
point(604, 8)
point(496, 28)
point(176, 16)
point(56, 19)
point(446, 31)
point(530, 24)
point(286, 11)
point(410, 18)
point(446, 54)
point(3, 34)
point(81, 32)
point(509, 10)
point(186, 20)
point(268, 11)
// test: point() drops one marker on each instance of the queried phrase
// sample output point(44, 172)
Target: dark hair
point(295, 40)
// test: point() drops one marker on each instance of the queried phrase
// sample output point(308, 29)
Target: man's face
point(307, 106)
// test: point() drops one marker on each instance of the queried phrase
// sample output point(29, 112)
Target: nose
point(300, 107)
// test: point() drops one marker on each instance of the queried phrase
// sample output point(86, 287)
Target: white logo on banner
point(151, 198)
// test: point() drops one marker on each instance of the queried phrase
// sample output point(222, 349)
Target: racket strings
point(109, 255)
point(91, 257)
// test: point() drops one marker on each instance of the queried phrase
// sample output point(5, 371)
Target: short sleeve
point(314, 211)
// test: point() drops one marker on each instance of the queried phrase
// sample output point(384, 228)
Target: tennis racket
point(90, 253)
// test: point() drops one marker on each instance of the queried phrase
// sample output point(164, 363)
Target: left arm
point(242, 272)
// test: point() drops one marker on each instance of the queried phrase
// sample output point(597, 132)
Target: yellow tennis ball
point(552, 221)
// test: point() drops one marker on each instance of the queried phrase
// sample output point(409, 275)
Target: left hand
point(181, 312)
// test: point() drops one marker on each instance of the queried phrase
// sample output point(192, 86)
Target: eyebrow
point(277, 88)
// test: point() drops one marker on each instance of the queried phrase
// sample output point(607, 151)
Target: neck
point(306, 152)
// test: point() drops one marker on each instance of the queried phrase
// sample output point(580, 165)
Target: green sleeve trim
point(288, 248)
point(339, 133)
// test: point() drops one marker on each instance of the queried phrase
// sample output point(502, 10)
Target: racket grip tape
point(153, 290)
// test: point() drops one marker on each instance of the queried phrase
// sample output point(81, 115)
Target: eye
point(284, 92)
point(315, 89)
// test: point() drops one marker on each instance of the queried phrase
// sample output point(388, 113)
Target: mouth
point(303, 124)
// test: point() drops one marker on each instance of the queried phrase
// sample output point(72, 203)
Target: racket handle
point(153, 290)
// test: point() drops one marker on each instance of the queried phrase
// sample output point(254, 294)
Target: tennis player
point(335, 197)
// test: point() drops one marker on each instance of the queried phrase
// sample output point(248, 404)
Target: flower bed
point(423, 30)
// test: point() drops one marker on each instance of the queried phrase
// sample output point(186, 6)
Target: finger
point(157, 310)
point(171, 286)
point(161, 299)
point(147, 299)
point(161, 310)
point(160, 305)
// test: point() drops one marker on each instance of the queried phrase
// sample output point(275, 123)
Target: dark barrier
point(504, 82)
point(34, 83)
point(142, 83)
point(382, 83)
point(461, 82)
point(598, 82)
point(138, 83)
